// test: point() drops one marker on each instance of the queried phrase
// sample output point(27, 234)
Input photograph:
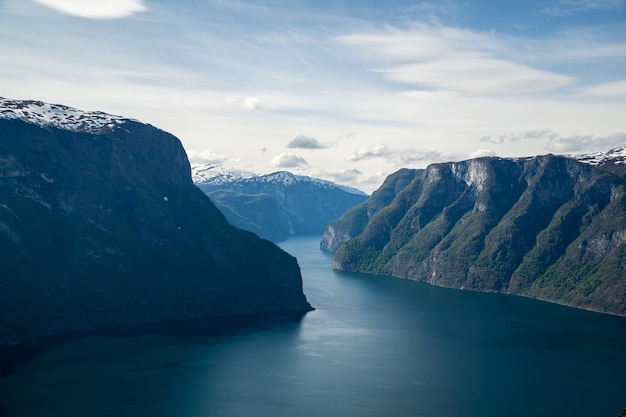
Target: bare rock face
point(550, 227)
point(101, 225)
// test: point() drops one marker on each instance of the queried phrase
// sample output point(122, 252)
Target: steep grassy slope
point(548, 227)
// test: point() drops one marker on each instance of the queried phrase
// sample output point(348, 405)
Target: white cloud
point(305, 142)
point(205, 157)
point(346, 175)
point(253, 103)
point(97, 9)
point(402, 157)
point(365, 152)
point(318, 84)
point(478, 75)
point(435, 56)
point(420, 42)
point(288, 160)
point(481, 153)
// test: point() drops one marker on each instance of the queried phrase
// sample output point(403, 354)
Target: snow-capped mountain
point(616, 156)
point(218, 174)
point(59, 116)
point(213, 175)
point(305, 205)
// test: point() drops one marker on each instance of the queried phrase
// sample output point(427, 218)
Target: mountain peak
point(59, 116)
point(218, 174)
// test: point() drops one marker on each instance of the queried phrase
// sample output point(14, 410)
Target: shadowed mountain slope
point(101, 225)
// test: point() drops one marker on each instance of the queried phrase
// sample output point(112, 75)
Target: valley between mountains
point(101, 225)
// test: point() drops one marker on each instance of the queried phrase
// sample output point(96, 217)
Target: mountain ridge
point(305, 205)
point(102, 226)
point(62, 117)
point(548, 227)
point(217, 174)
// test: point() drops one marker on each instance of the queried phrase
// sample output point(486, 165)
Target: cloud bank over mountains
point(351, 89)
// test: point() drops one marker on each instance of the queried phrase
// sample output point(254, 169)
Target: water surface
point(375, 346)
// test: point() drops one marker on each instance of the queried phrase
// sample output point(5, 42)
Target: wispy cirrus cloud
point(444, 58)
point(97, 9)
point(478, 75)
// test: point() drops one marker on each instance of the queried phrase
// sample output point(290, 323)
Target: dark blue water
point(375, 346)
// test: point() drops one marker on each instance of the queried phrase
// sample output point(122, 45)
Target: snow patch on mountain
point(615, 156)
point(59, 116)
point(220, 175)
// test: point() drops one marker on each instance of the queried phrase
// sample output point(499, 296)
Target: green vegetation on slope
point(548, 227)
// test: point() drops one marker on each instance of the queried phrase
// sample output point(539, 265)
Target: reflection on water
point(375, 346)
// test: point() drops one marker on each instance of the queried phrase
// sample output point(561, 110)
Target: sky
point(345, 90)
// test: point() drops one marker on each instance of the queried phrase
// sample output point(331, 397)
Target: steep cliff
point(549, 227)
point(101, 225)
point(352, 223)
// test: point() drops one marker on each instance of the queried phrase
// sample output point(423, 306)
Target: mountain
point(256, 213)
point(101, 225)
point(305, 205)
point(549, 227)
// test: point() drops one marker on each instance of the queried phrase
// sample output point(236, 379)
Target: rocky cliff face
point(305, 205)
point(549, 227)
point(101, 225)
point(352, 223)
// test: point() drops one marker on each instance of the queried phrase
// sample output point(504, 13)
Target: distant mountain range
point(550, 227)
point(276, 205)
point(102, 226)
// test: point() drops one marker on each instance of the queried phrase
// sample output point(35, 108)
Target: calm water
point(375, 346)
